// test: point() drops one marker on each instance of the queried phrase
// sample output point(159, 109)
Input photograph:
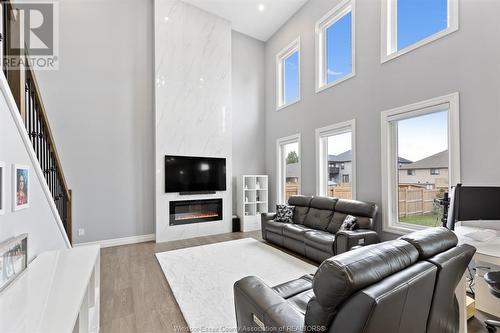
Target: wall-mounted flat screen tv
point(194, 174)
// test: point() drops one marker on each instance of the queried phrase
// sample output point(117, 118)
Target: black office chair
point(493, 281)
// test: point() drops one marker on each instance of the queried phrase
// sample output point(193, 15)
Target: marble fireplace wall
point(192, 104)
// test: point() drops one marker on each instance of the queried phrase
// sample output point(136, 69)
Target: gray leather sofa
point(314, 232)
point(404, 285)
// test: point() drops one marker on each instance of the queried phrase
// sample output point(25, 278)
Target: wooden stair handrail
point(31, 75)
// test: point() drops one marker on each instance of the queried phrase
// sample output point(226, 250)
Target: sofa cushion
point(276, 227)
point(431, 241)
point(301, 204)
point(321, 240)
point(295, 231)
point(294, 287)
point(365, 212)
point(301, 300)
point(320, 213)
point(318, 219)
point(340, 276)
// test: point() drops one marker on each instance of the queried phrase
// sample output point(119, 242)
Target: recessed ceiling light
point(166, 18)
point(261, 7)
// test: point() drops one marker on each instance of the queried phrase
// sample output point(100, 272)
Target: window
point(409, 24)
point(426, 136)
point(336, 160)
point(435, 172)
point(289, 167)
point(288, 75)
point(335, 46)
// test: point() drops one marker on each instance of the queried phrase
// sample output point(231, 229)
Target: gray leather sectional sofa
point(315, 233)
point(404, 285)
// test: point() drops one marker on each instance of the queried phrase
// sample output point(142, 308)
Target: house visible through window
point(288, 75)
point(411, 23)
point(289, 171)
point(336, 160)
point(420, 161)
point(335, 46)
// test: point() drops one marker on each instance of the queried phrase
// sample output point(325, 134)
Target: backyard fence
point(416, 201)
point(342, 192)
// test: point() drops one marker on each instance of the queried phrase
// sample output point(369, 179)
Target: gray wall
point(248, 107)
point(465, 61)
point(100, 105)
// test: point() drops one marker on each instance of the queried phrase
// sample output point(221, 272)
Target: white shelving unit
point(252, 200)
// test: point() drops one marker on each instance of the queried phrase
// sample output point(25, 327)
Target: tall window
point(336, 160)
point(418, 140)
point(409, 24)
point(335, 46)
point(288, 75)
point(289, 167)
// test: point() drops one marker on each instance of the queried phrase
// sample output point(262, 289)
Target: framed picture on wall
point(21, 187)
point(2, 188)
point(13, 259)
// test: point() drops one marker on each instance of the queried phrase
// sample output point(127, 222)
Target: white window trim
point(389, 178)
point(283, 54)
point(280, 172)
point(321, 169)
point(322, 25)
point(389, 37)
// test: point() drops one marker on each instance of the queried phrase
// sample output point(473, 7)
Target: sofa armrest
point(259, 307)
point(264, 217)
point(267, 216)
point(345, 240)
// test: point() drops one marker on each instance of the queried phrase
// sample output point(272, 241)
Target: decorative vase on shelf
point(257, 186)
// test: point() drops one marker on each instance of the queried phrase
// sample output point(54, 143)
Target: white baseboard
point(120, 241)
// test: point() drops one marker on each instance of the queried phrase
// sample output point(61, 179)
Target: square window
point(410, 172)
point(288, 75)
point(409, 24)
point(335, 46)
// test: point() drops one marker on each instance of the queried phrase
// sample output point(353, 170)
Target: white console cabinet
point(57, 293)
point(252, 200)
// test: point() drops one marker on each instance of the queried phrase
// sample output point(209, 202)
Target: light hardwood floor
point(135, 296)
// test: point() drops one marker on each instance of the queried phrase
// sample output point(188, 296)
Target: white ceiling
point(246, 17)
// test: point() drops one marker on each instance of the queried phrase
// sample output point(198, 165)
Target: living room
point(158, 153)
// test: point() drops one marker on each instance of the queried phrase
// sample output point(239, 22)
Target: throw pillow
point(350, 223)
point(284, 213)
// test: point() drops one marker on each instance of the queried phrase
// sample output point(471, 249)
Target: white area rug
point(202, 278)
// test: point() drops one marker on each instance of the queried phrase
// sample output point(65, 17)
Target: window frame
point(390, 218)
point(389, 33)
point(330, 18)
point(435, 172)
point(280, 169)
point(291, 48)
point(322, 135)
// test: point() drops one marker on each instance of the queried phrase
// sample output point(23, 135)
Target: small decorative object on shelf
point(246, 199)
point(13, 259)
point(257, 185)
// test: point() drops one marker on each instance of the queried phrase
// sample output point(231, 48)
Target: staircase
point(27, 95)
